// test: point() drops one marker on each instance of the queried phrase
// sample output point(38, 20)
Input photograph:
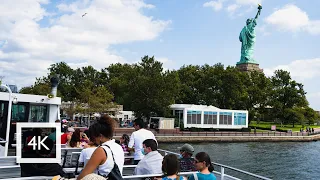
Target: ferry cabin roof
point(27, 108)
point(202, 116)
point(27, 103)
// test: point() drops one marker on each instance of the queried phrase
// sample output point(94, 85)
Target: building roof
point(194, 107)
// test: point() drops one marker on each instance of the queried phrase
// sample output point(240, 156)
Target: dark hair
point(104, 126)
point(65, 129)
point(151, 143)
point(139, 122)
point(75, 138)
point(170, 165)
point(204, 157)
point(126, 139)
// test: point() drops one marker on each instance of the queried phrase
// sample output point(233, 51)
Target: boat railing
point(222, 174)
point(223, 167)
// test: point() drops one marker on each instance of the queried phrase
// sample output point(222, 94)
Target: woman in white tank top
point(101, 133)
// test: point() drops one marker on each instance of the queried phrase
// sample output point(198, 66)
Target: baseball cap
point(187, 148)
point(70, 129)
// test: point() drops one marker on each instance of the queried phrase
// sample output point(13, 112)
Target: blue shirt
point(166, 178)
point(201, 176)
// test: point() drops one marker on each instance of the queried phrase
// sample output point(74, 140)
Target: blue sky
point(38, 33)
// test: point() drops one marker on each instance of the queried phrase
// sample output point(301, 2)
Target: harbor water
point(275, 160)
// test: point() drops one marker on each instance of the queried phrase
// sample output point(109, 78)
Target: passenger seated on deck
point(75, 141)
point(86, 153)
point(109, 156)
point(41, 169)
point(152, 161)
point(204, 166)
point(66, 136)
point(124, 141)
point(170, 168)
point(186, 161)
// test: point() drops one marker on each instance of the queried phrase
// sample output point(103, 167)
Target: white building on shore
point(202, 116)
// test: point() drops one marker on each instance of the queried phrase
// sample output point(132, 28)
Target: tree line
point(148, 90)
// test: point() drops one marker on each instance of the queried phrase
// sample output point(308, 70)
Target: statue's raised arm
point(259, 11)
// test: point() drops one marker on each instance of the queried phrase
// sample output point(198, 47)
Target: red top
point(64, 138)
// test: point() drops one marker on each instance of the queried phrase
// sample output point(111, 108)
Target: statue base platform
point(248, 67)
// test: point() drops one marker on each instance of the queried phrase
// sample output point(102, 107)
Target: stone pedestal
point(247, 67)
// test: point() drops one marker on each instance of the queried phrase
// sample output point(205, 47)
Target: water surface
point(276, 160)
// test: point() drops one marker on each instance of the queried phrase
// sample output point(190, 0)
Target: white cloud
point(233, 7)
point(30, 47)
point(248, 2)
point(300, 70)
point(167, 63)
point(292, 18)
point(314, 100)
point(216, 5)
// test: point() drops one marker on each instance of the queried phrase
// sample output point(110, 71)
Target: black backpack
point(115, 172)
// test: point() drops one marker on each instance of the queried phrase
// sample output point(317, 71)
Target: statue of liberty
point(247, 38)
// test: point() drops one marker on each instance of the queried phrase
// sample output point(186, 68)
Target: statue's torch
point(259, 8)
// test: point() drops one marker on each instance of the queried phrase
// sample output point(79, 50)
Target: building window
point(18, 113)
point(178, 114)
point(193, 117)
point(210, 117)
point(240, 118)
point(38, 114)
point(126, 117)
point(225, 118)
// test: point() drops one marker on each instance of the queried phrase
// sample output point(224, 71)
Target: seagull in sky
point(84, 14)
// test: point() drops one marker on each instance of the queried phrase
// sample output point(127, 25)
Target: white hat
point(70, 129)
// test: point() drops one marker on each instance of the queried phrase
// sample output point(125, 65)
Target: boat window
point(38, 114)
point(18, 113)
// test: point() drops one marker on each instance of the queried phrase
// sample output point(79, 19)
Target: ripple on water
point(277, 160)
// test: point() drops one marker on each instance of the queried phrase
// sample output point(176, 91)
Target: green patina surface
point(248, 38)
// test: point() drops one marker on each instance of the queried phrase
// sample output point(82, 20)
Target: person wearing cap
point(187, 162)
point(66, 136)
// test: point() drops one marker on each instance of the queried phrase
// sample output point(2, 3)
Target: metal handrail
point(33, 177)
point(242, 171)
point(221, 173)
point(224, 166)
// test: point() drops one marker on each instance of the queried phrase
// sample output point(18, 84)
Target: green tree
point(286, 94)
point(121, 79)
point(190, 77)
point(258, 88)
point(93, 99)
point(154, 90)
point(310, 115)
point(40, 87)
point(66, 85)
point(144, 87)
point(233, 90)
point(293, 115)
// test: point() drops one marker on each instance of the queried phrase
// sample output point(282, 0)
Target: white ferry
point(34, 108)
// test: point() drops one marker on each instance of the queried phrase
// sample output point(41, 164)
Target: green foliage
point(286, 97)
point(148, 90)
point(144, 87)
point(283, 128)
